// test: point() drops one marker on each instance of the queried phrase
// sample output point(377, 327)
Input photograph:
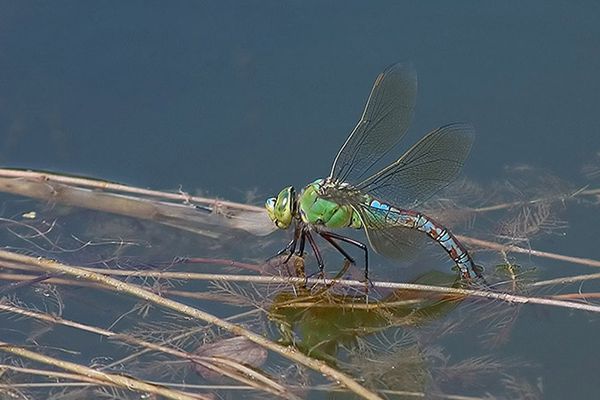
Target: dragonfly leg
point(330, 235)
point(290, 247)
point(339, 248)
point(317, 252)
point(302, 242)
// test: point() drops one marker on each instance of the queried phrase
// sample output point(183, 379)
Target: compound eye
point(270, 206)
point(283, 212)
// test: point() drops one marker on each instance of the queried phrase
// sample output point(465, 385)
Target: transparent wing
point(385, 120)
point(391, 240)
point(430, 165)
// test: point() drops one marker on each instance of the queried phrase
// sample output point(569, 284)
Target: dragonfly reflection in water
point(381, 203)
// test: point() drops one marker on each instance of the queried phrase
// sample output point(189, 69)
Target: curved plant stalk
point(186, 334)
point(126, 288)
point(233, 369)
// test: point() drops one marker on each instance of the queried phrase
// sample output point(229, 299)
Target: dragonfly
point(382, 202)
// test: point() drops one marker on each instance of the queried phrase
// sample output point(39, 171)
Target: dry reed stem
point(117, 187)
point(582, 296)
point(203, 220)
point(52, 374)
point(105, 378)
point(536, 253)
point(123, 287)
point(566, 279)
point(506, 297)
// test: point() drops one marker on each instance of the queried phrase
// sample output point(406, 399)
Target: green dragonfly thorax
point(311, 208)
point(316, 210)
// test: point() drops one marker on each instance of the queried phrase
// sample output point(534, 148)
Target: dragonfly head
point(282, 209)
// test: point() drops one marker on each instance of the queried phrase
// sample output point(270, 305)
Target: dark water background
point(231, 97)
